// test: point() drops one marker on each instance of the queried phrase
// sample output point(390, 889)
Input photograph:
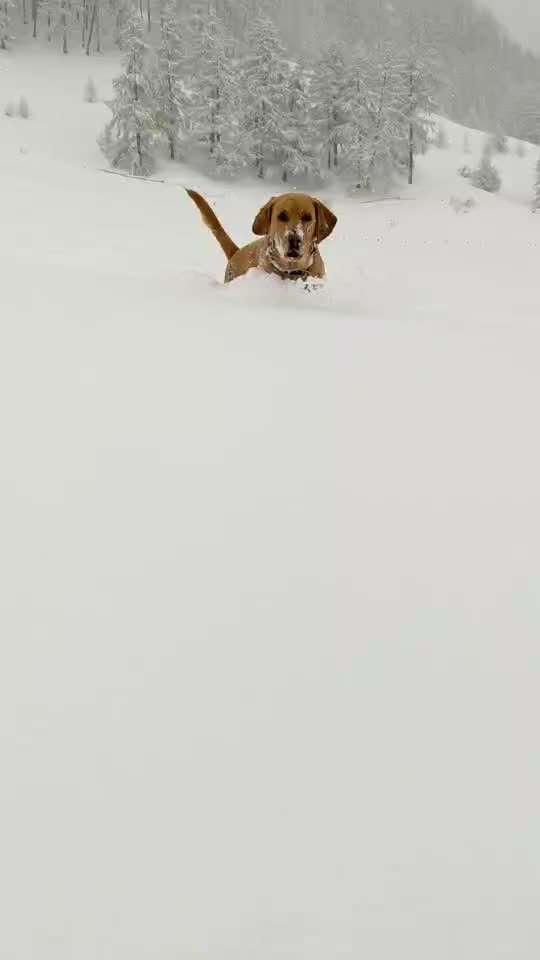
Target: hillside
point(270, 607)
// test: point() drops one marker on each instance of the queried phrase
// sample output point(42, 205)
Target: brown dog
point(291, 227)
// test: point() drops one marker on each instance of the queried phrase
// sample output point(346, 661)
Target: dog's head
point(294, 223)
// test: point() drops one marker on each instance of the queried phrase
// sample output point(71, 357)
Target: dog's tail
point(227, 245)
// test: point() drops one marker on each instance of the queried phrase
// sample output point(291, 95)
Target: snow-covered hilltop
point(289, 92)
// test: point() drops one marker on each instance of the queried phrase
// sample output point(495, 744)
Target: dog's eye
point(283, 216)
point(306, 218)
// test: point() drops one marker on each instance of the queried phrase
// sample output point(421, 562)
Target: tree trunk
point(34, 17)
point(149, 15)
point(84, 22)
point(64, 30)
point(411, 127)
point(91, 28)
point(98, 29)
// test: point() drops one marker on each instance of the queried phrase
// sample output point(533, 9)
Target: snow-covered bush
point(441, 137)
point(90, 91)
point(10, 110)
point(24, 109)
point(465, 172)
point(486, 176)
point(462, 206)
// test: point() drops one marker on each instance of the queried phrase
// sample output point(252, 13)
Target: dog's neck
point(276, 266)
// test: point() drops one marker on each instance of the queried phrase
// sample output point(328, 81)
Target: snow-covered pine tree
point(170, 100)
point(129, 137)
point(193, 19)
point(377, 147)
point(263, 74)
point(536, 200)
point(6, 7)
point(90, 91)
point(418, 79)
point(486, 176)
point(354, 137)
point(298, 147)
point(330, 95)
point(215, 94)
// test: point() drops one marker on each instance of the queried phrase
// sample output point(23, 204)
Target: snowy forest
point(306, 90)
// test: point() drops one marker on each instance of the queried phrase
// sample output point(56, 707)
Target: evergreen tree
point(263, 74)
point(170, 100)
point(378, 147)
point(298, 148)
point(129, 137)
point(536, 201)
point(215, 95)
point(330, 104)
point(418, 78)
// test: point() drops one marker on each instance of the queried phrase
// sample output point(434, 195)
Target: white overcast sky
point(522, 17)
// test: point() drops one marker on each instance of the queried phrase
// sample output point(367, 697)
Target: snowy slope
point(270, 565)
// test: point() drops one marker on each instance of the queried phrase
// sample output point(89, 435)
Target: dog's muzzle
point(295, 246)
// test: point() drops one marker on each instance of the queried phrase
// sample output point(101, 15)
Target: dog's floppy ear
point(326, 221)
point(261, 223)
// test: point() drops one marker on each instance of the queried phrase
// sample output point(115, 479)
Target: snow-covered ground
point(270, 564)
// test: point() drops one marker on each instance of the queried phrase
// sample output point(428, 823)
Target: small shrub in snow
point(441, 137)
point(90, 91)
point(24, 109)
point(465, 172)
point(10, 110)
point(486, 177)
point(462, 206)
point(499, 143)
